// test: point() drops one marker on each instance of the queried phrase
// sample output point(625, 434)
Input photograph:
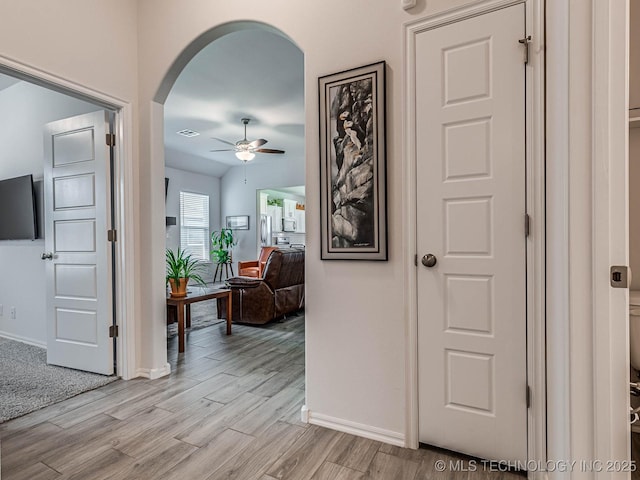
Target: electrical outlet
point(13, 313)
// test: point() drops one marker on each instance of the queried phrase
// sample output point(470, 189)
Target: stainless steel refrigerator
point(266, 230)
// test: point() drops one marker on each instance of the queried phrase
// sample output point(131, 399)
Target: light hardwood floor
point(229, 410)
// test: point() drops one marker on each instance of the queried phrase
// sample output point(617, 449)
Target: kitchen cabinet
point(276, 217)
point(289, 208)
point(299, 216)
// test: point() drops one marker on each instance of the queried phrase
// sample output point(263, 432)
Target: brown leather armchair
point(254, 268)
point(278, 292)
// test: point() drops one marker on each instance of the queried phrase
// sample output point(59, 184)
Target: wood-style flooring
point(229, 410)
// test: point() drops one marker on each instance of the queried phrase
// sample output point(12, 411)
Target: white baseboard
point(353, 428)
point(27, 340)
point(153, 373)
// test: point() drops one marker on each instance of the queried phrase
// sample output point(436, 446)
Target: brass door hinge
point(111, 139)
point(526, 41)
point(112, 235)
point(113, 331)
point(528, 396)
point(527, 224)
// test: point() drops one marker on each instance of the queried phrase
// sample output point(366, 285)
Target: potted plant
point(181, 268)
point(221, 243)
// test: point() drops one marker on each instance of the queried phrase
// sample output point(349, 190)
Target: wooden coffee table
point(197, 294)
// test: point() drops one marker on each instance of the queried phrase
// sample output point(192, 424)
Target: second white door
point(77, 217)
point(470, 140)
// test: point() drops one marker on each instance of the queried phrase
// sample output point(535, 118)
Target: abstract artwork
point(353, 164)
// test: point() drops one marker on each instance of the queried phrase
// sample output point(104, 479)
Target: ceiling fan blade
point(268, 150)
point(257, 143)
point(224, 141)
point(224, 150)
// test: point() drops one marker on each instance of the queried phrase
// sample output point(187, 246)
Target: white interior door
point(470, 141)
point(77, 217)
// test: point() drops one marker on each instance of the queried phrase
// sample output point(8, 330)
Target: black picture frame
point(353, 190)
point(237, 222)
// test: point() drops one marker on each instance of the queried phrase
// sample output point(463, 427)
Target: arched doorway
point(245, 70)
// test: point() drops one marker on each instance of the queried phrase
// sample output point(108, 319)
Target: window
point(194, 224)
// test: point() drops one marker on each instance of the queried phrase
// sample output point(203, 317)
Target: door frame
point(123, 177)
point(535, 202)
point(587, 183)
point(610, 246)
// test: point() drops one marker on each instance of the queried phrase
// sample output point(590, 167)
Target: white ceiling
point(282, 192)
point(253, 74)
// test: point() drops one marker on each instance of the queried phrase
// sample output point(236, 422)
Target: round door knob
point(429, 260)
point(47, 256)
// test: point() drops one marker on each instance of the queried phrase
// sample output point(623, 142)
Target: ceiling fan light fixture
point(245, 155)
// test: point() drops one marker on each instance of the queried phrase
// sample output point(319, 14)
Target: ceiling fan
point(246, 150)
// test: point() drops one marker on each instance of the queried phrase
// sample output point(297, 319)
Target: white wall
point(92, 45)
point(183, 181)
point(634, 54)
point(634, 206)
point(24, 110)
point(355, 345)
point(634, 144)
point(23, 288)
point(355, 321)
point(238, 198)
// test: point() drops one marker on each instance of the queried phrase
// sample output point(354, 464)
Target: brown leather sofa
point(280, 290)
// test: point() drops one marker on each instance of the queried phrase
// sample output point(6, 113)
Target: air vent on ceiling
point(188, 133)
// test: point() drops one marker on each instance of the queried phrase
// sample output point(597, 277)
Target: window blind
point(194, 224)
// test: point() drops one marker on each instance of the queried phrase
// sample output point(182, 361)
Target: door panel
point(73, 192)
point(77, 217)
point(470, 131)
point(75, 236)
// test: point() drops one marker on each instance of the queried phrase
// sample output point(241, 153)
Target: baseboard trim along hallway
point(354, 428)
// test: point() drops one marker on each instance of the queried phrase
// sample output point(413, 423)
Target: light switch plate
point(407, 4)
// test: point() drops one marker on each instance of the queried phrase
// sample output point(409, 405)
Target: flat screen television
point(18, 209)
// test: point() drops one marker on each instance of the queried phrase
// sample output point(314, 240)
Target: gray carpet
point(27, 383)
point(203, 315)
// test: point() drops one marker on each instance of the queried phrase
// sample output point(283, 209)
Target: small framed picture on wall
point(238, 222)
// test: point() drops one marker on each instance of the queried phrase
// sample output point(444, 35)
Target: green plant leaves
point(221, 242)
point(180, 264)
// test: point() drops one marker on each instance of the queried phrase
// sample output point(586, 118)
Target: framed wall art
point(353, 194)
point(238, 222)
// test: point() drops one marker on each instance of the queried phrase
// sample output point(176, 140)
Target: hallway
point(230, 409)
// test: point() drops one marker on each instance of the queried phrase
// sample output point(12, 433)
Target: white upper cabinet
point(276, 217)
point(299, 216)
point(289, 208)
